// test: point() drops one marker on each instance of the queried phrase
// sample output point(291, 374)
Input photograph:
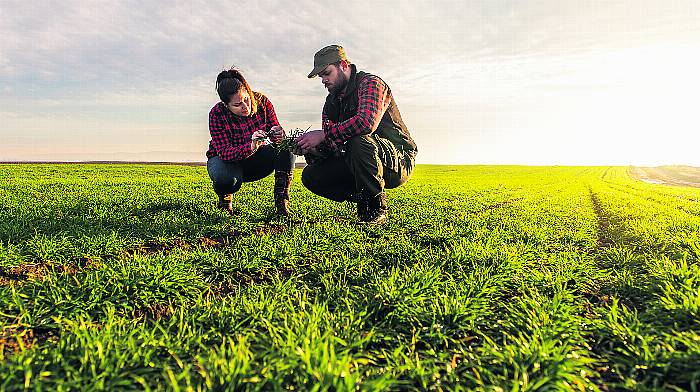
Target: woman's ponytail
point(231, 81)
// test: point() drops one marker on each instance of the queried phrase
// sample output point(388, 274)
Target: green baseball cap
point(329, 55)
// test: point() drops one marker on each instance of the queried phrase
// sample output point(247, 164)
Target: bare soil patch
point(153, 312)
point(667, 175)
point(13, 339)
point(39, 270)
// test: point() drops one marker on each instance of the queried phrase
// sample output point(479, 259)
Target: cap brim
point(316, 70)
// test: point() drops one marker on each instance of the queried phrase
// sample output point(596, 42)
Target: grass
point(485, 278)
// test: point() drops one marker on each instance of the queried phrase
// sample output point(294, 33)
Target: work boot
point(225, 203)
point(283, 181)
point(282, 207)
point(361, 201)
point(373, 210)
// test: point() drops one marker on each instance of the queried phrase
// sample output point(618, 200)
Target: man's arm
point(314, 146)
point(373, 100)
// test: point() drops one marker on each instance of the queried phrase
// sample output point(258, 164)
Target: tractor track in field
point(598, 297)
point(603, 222)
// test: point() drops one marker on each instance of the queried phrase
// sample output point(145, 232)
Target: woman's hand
point(257, 140)
point(276, 134)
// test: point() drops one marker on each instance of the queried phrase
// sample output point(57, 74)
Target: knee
point(221, 174)
point(361, 149)
point(285, 160)
point(224, 180)
point(308, 178)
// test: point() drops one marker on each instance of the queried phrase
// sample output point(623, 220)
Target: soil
point(668, 175)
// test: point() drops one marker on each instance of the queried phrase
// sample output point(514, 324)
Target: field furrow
point(485, 277)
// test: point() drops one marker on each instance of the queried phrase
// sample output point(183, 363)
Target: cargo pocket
point(388, 154)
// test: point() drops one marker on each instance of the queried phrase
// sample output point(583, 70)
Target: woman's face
point(239, 103)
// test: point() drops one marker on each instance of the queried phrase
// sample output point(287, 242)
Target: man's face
point(333, 78)
point(239, 103)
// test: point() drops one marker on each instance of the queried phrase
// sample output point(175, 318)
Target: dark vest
point(390, 127)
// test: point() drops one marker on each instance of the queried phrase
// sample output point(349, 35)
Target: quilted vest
point(390, 127)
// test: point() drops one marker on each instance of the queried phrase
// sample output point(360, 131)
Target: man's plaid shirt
point(374, 97)
point(231, 134)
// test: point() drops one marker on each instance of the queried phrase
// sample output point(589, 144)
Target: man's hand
point(257, 140)
point(297, 151)
point(310, 140)
point(276, 134)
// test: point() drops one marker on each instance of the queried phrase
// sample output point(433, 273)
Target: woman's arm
point(270, 115)
point(226, 149)
point(272, 125)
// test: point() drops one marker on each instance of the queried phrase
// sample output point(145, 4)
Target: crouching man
point(364, 146)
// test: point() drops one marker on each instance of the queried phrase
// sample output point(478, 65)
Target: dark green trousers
point(368, 165)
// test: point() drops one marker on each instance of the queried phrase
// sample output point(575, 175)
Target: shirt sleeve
point(270, 115)
point(373, 100)
point(223, 146)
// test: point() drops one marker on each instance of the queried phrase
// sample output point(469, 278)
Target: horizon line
point(303, 164)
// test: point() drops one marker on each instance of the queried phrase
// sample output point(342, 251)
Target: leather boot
point(373, 210)
point(283, 181)
point(226, 203)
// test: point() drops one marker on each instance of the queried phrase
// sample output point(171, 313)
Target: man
point(364, 146)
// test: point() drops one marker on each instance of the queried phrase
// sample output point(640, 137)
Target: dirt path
point(668, 175)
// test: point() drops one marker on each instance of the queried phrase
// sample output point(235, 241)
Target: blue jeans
point(227, 177)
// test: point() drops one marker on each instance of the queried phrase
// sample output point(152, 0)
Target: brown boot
point(283, 181)
point(282, 207)
point(225, 203)
point(376, 211)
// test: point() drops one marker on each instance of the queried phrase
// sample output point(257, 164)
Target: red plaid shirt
point(231, 134)
point(374, 97)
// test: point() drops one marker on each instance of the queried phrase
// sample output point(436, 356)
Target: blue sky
point(525, 82)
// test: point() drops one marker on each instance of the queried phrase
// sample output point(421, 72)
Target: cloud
point(137, 63)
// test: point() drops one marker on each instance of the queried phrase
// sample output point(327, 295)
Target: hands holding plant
point(298, 141)
point(308, 142)
point(258, 139)
point(276, 134)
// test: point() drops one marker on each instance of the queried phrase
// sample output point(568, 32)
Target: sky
point(537, 82)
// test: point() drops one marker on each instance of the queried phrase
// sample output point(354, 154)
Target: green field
point(486, 277)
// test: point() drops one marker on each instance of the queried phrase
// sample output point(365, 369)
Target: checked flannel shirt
point(374, 97)
point(231, 134)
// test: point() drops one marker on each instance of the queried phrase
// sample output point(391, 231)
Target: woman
point(237, 152)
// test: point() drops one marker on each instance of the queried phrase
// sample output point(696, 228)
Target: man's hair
point(337, 63)
point(231, 82)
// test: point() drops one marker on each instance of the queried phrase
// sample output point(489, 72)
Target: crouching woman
point(237, 153)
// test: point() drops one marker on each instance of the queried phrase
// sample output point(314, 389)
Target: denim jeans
point(227, 177)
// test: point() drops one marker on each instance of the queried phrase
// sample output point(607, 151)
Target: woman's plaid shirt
point(231, 134)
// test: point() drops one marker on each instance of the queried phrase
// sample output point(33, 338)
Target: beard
point(339, 85)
